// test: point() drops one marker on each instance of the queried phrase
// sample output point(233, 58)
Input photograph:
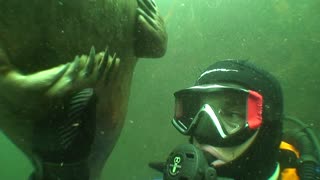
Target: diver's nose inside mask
point(218, 115)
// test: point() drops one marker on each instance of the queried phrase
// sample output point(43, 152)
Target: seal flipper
point(67, 133)
point(151, 37)
point(71, 127)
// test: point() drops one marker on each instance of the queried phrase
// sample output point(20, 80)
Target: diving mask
point(218, 115)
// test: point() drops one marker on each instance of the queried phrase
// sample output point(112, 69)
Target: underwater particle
point(61, 164)
point(102, 132)
point(131, 121)
point(62, 31)
point(75, 124)
point(60, 3)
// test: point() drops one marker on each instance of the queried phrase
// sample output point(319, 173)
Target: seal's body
point(38, 42)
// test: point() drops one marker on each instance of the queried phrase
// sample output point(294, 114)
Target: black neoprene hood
point(260, 159)
point(244, 73)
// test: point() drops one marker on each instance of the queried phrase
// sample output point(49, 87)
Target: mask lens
point(186, 107)
point(222, 109)
point(229, 108)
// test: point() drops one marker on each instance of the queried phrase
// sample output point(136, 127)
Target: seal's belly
point(68, 29)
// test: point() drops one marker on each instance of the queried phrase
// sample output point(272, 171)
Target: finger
point(60, 73)
point(145, 8)
point(44, 80)
point(103, 64)
point(147, 23)
point(90, 62)
point(64, 84)
point(60, 88)
point(115, 72)
point(154, 3)
point(151, 5)
point(145, 19)
point(110, 70)
point(74, 69)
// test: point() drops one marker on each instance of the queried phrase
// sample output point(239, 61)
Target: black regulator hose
point(310, 133)
point(307, 143)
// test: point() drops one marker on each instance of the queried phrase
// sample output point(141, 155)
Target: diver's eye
point(230, 113)
point(232, 120)
point(232, 117)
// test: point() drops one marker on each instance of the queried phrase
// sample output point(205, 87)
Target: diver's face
point(231, 110)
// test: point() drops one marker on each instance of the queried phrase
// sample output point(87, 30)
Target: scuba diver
point(234, 119)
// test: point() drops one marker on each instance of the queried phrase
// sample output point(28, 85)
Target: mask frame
point(207, 119)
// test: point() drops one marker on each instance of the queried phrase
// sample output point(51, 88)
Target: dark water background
point(280, 35)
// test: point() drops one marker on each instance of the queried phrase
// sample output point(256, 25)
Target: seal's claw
point(112, 69)
point(150, 33)
point(59, 74)
point(75, 68)
point(146, 7)
point(103, 64)
point(151, 5)
point(145, 19)
point(90, 62)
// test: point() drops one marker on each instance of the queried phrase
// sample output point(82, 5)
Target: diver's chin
point(213, 157)
point(223, 155)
